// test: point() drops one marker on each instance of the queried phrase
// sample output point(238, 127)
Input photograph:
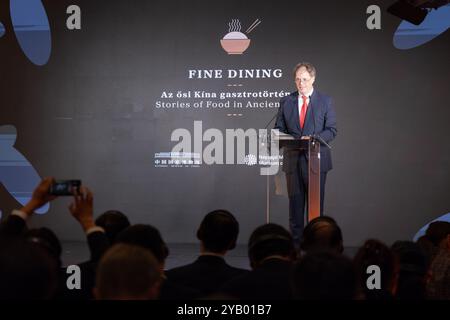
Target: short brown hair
point(126, 270)
point(308, 66)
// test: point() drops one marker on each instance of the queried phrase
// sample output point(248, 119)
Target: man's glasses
point(304, 80)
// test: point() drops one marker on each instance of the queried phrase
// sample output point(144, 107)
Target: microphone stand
point(269, 149)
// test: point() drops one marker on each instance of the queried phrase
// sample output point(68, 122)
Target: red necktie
point(303, 112)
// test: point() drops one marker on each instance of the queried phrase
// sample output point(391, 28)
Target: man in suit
point(303, 113)
point(271, 252)
point(217, 233)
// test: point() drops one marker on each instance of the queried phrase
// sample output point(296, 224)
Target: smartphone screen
point(64, 187)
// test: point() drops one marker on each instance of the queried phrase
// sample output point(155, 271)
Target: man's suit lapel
point(294, 115)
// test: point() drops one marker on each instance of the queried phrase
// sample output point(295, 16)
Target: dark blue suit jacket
point(320, 120)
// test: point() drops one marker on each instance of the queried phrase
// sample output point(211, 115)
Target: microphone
point(319, 138)
point(271, 120)
point(269, 136)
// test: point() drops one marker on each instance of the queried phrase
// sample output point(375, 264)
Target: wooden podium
point(311, 145)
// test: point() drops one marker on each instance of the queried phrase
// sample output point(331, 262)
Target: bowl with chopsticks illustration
point(236, 42)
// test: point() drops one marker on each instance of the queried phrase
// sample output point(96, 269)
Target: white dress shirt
point(300, 101)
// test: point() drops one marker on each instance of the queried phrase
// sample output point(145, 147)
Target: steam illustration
point(234, 26)
point(236, 42)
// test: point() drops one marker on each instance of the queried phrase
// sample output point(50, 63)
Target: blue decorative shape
point(32, 29)
point(421, 232)
point(16, 173)
point(409, 36)
point(2, 30)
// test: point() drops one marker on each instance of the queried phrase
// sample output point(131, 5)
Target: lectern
point(310, 145)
